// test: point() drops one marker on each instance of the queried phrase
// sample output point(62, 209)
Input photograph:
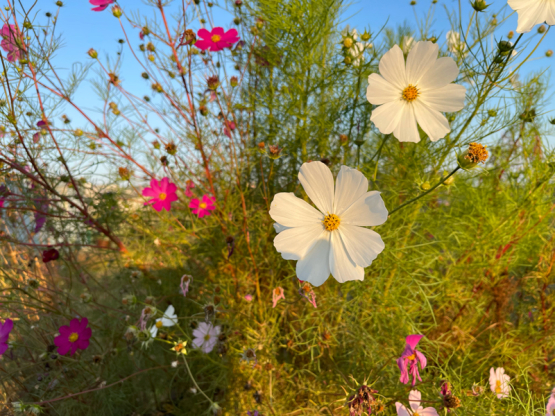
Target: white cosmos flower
point(168, 319)
point(499, 382)
point(415, 397)
point(533, 12)
point(357, 52)
point(330, 239)
point(454, 43)
point(416, 92)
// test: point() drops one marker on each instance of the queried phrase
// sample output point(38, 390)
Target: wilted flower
point(217, 39)
point(50, 255)
point(188, 38)
point(188, 186)
point(5, 330)
point(185, 282)
point(168, 319)
point(163, 193)
point(274, 151)
point(499, 382)
point(277, 294)
point(202, 207)
point(533, 12)
point(102, 4)
point(73, 337)
point(330, 239)
point(171, 148)
point(476, 153)
point(206, 336)
point(415, 92)
point(213, 82)
point(362, 401)
point(411, 357)
point(415, 397)
point(307, 292)
point(249, 355)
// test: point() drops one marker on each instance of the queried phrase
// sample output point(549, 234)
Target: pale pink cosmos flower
point(217, 39)
point(248, 297)
point(12, 42)
point(202, 207)
point(185, 282)
point(102, 4)
point(550, 407)
point(206, 337)
point(411, 357)
point(163, 193)
point(277, 294)
point(188, 189)
point(499, 382)
point(415, 397)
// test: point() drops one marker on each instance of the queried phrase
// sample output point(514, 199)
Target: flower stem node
point(479, 5)
point(476, 153)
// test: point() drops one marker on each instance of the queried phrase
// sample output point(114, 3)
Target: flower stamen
point(73, 337)
point(410, 93)
point(476, 153)
point(202, 205)
point(331, 222)
point(162, 196)
point(216, 38)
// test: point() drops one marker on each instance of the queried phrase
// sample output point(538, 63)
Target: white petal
point(406, 130)
point(530, 13)
point(443, 72)
point(342, 267)
point(317, 181)
point(279, 228)
point(351, 185)
point(449, 98)
point(169, 321)
point(434, 124)
point(169, 311)
point(387, 117)
point(314, 267)
point(415, 397)
point(380, 91)
point(392, 67)
point(154, 331)
point(368, 210)
point(363, 245)
point(420, 60)
point(290, 211)
point(294, 243)
point(401, 410)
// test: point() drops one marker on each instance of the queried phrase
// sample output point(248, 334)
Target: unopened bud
point(347, 42)
point(234, 82)
point(365, 36)
point(262, 148)
point(479, 5)
point(92, 53)
point(124, 173)
point(117, 12)
point(549, 53)
point(511, 34)
point(425, 186)
point(274, 151)
point(542, 29)
point(213, 82)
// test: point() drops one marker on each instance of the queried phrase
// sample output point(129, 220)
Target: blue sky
point(82, 29)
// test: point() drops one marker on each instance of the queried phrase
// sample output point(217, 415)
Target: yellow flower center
point(331, 222)
point(348, 42)
point(207, 337)
point(159, 324)
point(162, 196)
point(498, 386)
point(416, 414)
point(412, 357)
point(73, 337)
point(202, 205)
point(410, 93)
point(216, 38)
point(178, 347)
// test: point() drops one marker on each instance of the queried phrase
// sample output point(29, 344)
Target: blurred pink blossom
point(411, 357)
point(217, 39)
point(12, 42)
point(202, 208)
point(163, 193)
point(102, 4)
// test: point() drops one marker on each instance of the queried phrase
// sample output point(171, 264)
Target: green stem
point(195, 383)
point(425, 193)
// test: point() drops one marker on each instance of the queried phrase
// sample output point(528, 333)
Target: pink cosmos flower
point(415, 397)
point(189, 185)
point(413, 357)
point(248, 297)
point(5, 330)
point(163, 193)
point(11, 42)
point(202, 208)
point(206, 336)
point(277, 294)
point(50, 254)
point(217, 39)
point(550, 407)
point(74, 336)
point(102, 4)
point(307, 292)
point(36, 136)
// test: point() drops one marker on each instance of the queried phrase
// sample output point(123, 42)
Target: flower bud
point(347, 42)
point(234, 82)
point(262, 148)
point(528, 116)
point(365, 36)
point(117, 12)
point(92, 53)
point(450, 180)
point(124, 173)
point(425, 186)
point(86, 297)
point(213, 82)
point(552, 121)
point(542, 29)
point(505, 46)
point(171, 148)
point(344, 139)
point(549, 53)
point(511, 34)
point(150, 47)
point(492, 113)
point(237, 21)
point(151, 58)
point(146, 31)
point(347, 60)
point(479, 5)
point(274, 151)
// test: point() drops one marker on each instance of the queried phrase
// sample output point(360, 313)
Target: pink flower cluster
point(12, 42)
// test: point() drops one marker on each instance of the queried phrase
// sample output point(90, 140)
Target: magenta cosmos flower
point(74, 336)
point(411, 357)
point(5, 330)
point(163, 193)
point(102, 4)
point(217, 39)
point(202, 207)
point(11, 42)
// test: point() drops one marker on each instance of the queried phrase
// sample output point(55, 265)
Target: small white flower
point(206, 337)
point(347, 32)
point(533, 12)
point(175, 363)
point(168, 319)
point(499, 382)
point(454, 43)
point(357, 52)
point(415, 93)
point(330, 239)
point(157, 242)
point(415, 398)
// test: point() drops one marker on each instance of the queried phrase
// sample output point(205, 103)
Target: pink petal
point(164, 185)
point(203, 44)
point(194, 203)
point(413, 340)
point(204, 34)
point(219, 31)
point(150, 192)
point(171, 188)
point(158, 205)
